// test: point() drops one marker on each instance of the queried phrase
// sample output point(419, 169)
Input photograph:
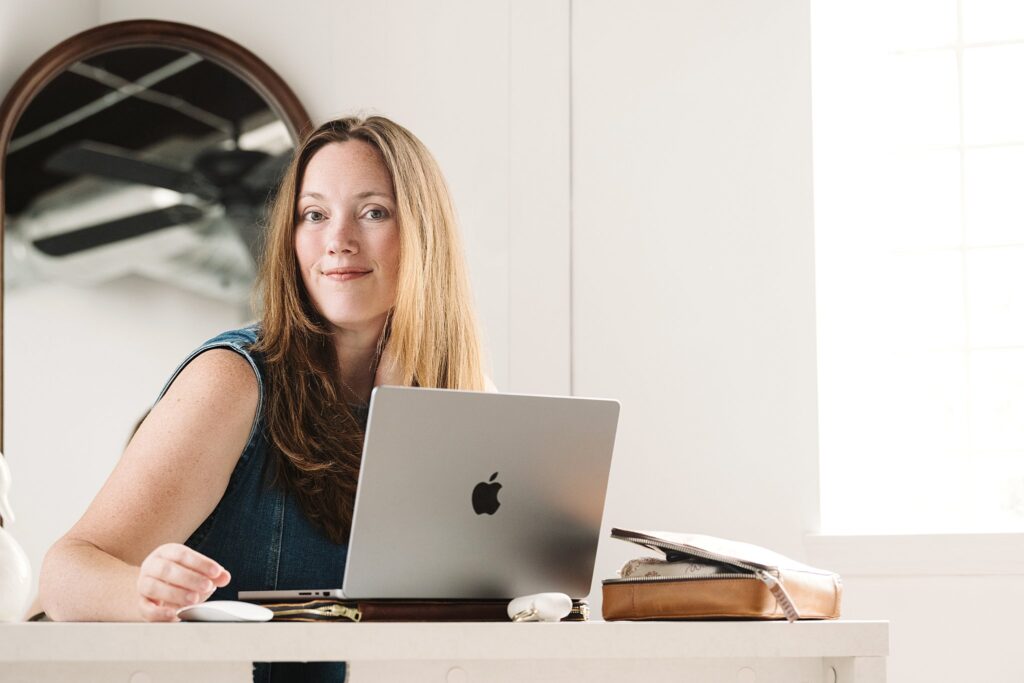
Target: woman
point(243, 475)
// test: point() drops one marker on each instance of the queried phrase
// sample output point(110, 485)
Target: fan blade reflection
point(109, 232)
point(108, 161)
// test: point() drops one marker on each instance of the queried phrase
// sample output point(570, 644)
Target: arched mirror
point(138, 159)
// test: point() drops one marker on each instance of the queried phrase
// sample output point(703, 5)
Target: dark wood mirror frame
point(139, 33)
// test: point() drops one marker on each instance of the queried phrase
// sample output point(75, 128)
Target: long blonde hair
point(431, 331)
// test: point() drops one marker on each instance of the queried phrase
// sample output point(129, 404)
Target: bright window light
point(919, 221)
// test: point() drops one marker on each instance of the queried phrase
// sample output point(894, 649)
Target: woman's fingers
point(178, 577)
point(152, 611)
point(174, 576)
point(170, 595)
point(222, 579)
point(183, 577)
point(185, 556)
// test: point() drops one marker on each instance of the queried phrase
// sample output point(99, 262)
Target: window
point(918, 113)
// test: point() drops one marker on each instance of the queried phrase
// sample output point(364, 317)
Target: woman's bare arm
point(123, 560)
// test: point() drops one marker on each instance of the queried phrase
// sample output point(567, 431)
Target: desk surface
point(370, 642)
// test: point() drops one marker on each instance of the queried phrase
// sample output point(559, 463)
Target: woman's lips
point(345, 274)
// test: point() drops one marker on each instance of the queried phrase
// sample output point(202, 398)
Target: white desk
point(737, 652)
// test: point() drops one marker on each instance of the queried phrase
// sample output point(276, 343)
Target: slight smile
point(345, 274)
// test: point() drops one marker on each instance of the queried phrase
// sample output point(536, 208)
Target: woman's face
point(346, 235)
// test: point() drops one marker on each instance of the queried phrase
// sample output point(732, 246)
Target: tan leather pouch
point(703, 577)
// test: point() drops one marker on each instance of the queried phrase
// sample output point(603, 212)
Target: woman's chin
point(349, 321)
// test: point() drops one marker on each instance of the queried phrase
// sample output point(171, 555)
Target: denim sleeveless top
point(259, 533)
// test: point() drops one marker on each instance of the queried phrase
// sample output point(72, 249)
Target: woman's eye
point(376, 214)
point(313, 216)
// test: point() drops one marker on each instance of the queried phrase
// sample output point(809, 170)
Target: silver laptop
point(479, 495)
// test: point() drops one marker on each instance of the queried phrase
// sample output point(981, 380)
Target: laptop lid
point(479, 495)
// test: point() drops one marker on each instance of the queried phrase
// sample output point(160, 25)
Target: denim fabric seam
point(277, 539)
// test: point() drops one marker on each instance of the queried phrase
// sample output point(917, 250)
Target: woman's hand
point(175, 576)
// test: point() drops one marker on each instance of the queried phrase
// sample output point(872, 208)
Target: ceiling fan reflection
point(154, 218)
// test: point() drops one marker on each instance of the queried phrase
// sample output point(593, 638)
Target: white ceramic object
point(15, 571)
point(540, 607)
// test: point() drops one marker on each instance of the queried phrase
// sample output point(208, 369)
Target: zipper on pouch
point(781, 596)
point(350, 613)
point(656, 579)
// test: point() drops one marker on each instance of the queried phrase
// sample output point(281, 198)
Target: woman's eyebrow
point(359, 195)
point(373, 193)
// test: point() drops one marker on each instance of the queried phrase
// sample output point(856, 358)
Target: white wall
point(692, 281)
point(693, 296)
point(28, 29)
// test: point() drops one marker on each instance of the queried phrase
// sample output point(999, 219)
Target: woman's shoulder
point(242, 338)
point(224, 363)
point(221, 387)
point(218, 371)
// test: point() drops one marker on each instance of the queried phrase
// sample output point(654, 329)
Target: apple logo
point(485, 497)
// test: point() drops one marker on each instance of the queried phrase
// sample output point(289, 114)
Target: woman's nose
point(343, 237)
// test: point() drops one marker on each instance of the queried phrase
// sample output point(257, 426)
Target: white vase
point(15, 571)
point(15, 578)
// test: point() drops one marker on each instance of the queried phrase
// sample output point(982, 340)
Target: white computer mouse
point(225, 610)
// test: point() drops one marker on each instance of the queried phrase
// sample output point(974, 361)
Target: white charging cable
point(540, 607)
